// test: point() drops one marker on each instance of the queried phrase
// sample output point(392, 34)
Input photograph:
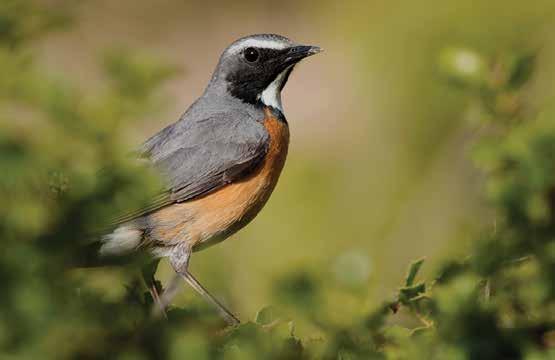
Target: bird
point(220, 161)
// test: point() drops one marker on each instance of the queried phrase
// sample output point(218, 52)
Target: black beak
point(297, 53)
point(291, 56)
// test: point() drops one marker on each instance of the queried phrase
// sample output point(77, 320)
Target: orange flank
point(209, 219)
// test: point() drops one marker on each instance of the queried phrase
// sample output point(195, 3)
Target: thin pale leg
point(158, 307)
point(168, 293)
point(150, 282)
point(224, 312)
point(167, 296)
point(179, 260)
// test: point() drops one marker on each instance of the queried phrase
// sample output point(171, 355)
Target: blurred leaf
point(24, 20)
point(464, 66)
point(135, 75)
point(352, 268)
point(409, 293)
point(265, 316)
point(300, 288)
point(413, 271)
point(521, 69)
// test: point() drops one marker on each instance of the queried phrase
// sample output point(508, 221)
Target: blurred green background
point(378, 172)
point(377, 163)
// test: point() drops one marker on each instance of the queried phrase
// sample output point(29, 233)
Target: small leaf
point(413, 271)
point(521, 70)
point(265, 316)
point(407, 294)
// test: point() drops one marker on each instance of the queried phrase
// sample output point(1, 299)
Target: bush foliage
point(65, 173)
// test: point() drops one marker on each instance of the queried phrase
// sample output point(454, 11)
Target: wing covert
point(201, 157)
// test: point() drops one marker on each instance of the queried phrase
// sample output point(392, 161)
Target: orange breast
point(212, 218)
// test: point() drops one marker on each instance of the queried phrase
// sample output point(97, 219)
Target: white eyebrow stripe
point(259, 43)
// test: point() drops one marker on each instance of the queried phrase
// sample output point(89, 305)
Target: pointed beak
point(291, 56)
point(301, 51)
point(314, 50)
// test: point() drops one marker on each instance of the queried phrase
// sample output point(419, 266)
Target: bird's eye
point(251, 54)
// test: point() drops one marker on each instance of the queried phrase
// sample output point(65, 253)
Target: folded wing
point(197, 158)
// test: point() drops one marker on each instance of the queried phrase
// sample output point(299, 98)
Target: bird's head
point(255, 68)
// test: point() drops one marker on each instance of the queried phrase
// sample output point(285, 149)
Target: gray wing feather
point(202, 156)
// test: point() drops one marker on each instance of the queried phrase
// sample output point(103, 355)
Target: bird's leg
point(157, 301)
point(152, 284)
point(225, 313)
point(179, 259)
point(166, 297)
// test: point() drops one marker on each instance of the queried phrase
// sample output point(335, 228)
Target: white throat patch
point(271, 96)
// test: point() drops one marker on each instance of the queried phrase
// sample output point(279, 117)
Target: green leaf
point(407, 294)
point(266, 316)
point(413, 271)
point(521, 69)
